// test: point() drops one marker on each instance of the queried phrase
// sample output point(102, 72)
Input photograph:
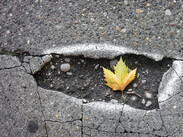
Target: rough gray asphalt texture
point(34, 26)
point(29, 110)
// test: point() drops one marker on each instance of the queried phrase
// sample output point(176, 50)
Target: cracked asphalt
point(94, 29)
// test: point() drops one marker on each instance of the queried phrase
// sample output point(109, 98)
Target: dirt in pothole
point(85, 79)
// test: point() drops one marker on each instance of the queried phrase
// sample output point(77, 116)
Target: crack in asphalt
point(125, 131)
point(11, 67)
point(41, 109)
point(70, 121)
point(177, 74)
point(161, 116)
point(171, 97)
point(82, 132)
point(27, 70)
point(117, 124)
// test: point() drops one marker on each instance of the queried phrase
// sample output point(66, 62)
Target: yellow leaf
point(120, 79)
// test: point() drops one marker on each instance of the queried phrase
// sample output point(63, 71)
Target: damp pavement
point(30, 31)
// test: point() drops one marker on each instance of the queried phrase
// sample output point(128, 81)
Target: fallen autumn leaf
point(120, 78)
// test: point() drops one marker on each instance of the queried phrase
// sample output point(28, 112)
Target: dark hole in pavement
point(33, 126)
point(85, 79)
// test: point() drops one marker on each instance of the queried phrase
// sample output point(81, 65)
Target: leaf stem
point(123, 96)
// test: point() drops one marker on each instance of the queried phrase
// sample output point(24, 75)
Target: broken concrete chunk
point(8, 61)
point(60, 107)
point(27, 58)
point(20, 105)
point(143, 121)
point(47, 58)
point(27, 67)
point(36, 63)
point(171, 81)
point(101, 115)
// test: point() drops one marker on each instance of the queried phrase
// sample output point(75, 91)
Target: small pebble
point(76, 22)
point(148, 5)
point(85, 26)
point(82, 61)
point(100, 28)
point(69, 73)
point(92, 20)
point(148, 103)
point(105, 14)
point(113, 63)
point(133, 98)
point(143, 81)
point(67, 59)
point(168, 12)
point(148, 95)
point(52, 67)
point(139, 11)
point(117, 28)
point(85, 101)
point(123, 30)
point(143, 101)
point(51, 85)
point(134, 85)
point(65, 67)
point(130, 90)
point(8, 32)
point(147, 71)
point(96, 67)
point(126, 2)
point(58, 27)
point(24, 85)
point(102, 34)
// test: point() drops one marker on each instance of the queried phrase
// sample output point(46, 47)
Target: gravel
point(134, 85)
point(168, 12)
point(148, 103)
point(65, 67)
point(148, 95)
point(143, 101)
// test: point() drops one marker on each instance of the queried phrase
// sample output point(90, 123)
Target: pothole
point(85, 79)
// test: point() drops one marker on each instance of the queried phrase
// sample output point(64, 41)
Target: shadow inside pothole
point(85, 79)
